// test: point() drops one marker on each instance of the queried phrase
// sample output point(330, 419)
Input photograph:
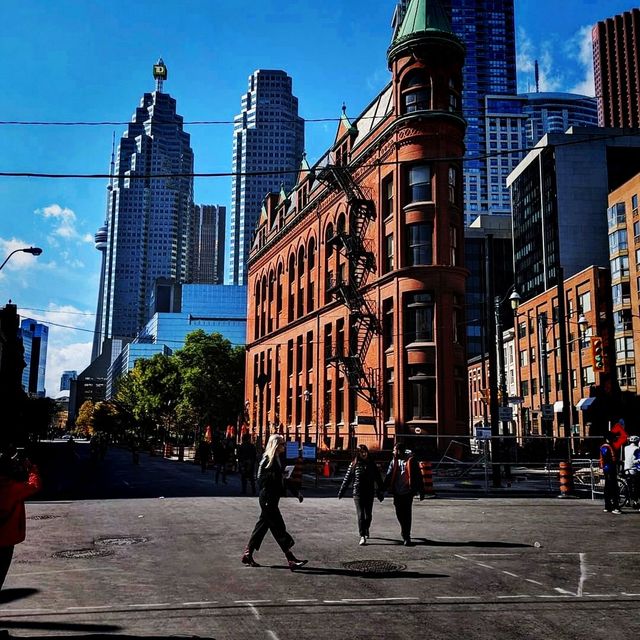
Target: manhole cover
point(82, 553)
point(120, 541)
point(44, 516)
point(374, 566)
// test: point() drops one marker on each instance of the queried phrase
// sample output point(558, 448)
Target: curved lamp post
point(34, 251)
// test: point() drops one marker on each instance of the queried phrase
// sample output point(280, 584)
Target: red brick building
point(356, 284)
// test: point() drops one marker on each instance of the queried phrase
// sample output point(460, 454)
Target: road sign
point(292, 450)
point(482, 433)
point(505, 414)
point(547, 411)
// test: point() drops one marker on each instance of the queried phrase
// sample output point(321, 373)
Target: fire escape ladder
point(356, 249)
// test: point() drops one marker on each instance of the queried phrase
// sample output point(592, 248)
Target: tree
point(84, 421)
point(212, 378)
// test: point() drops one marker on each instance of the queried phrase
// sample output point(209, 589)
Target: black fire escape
point(363, 320)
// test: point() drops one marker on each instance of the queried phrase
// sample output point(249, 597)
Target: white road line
point(272, 634)
point(457, 597)
point(486, 566)
point(600, 595)
point(188, 604)
point(515, 596)
point(303, 600)
point(624, 553)
point(150, 605)
point(624, 593)
point(255, 612)
point(513, 575)
point(250, 601)
point(374, 599)
point(8, 612)
point(583, 574)
point(534, 582)
point(565, 592)
point(557, 596)
point(98, 606)
point(488, 555)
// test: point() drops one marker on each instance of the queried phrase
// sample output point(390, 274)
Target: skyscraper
point(268, 143)
point(66, 378)
point(149, 211)
point(35, 338)
point(487, 29)
point(206, 247)
point(616, 66)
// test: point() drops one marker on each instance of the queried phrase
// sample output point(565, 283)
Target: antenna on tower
point(537, 75)
point(160, 74)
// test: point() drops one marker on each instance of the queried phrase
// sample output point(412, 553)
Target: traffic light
point(597, 354)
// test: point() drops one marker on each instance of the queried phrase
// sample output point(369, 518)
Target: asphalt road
point(154, 550)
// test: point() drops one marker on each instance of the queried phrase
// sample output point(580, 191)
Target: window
point(340, 337)
point(309, 350)
point(624, 347)
point(584, 301)
point(453, 183)
point(419, 183)
point(420, 310)
point(416, 95)
point(620, 267)
point(524, 388)
point(422, 392)
point(388, 257)
point(621, 293)
point(524, 358)
point(453, 243)
point(290, 358)
point(587, 376)
point(387, 196)
point(387, 330)
point(328, 342)
point(419, 238)
point(456, 317)
point(388, 395)
point(627, 375)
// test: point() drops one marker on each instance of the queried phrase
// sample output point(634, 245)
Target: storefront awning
point(584, 403)
point(557, 406)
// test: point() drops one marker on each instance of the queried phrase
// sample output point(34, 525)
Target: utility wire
point(590, 137)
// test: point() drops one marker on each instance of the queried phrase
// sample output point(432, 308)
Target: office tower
point(616, 66)
point(206, 252)
point(66, 378)
point(487, 29)
point(549, 112)
point(559, 193)
point(35, 337)
point(268, 142)
point(149, 211)
point(351, 269)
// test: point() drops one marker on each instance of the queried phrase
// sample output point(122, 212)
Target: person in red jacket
point(18, 481)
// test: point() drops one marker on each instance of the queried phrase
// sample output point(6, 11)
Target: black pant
point(403, 504)
point(6, 553)
point(364, 510)
point(270, 520)
point(221, 467)
point(611, 491)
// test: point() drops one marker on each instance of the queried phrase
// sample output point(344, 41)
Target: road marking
point(374, 599)
point(303, 600)
point(600, 595)
point(98, 606)
point(624, 593)
point(250, 601)
point(583, 574)
point(565, 592)
point(272, 634)
point(255, 612)
point(516, 596)
point(488, 555)
point(513, 575)
point(534, 582)
point(624, 553)
point(457, 597)
point(204, 602)
point(149, 605)
point(557, 596)
point(486, 566)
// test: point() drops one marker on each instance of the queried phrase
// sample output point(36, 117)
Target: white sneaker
point(616, 511)
point(363, 541)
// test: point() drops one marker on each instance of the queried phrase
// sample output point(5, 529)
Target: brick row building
point(356, 278)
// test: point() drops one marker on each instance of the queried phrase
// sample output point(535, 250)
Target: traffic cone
point(326, 470)
point(427, 477)
point(566, 480)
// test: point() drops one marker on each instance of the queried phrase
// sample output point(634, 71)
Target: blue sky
point(74, 60)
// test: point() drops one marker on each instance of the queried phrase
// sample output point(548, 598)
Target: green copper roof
point(423, 15)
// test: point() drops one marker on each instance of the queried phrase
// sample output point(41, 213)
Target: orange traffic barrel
point(566, 479)
point(326, 470)
point(427, 477)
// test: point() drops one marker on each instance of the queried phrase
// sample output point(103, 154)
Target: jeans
point(270, 520)
point(403, 504)
point(611, 492)
point(364, 509)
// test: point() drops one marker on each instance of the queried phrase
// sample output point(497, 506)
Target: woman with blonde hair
point(272, 486)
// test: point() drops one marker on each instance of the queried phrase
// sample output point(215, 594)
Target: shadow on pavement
point(351, 573)
point(62, 626)
point(415, 541)
point(11, 595)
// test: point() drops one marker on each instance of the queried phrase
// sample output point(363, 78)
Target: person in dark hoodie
point(18, 481)
point(366, 478)
point(404, 481)
point(272, 486)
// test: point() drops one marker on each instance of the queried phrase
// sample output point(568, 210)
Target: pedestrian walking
point(18, 480)
point(404, 481)
point(367, 482)
point(631, 457)
point(204, 451)
point(247, 457)
point(220, 458)
point(608, 465)
point(272, 486)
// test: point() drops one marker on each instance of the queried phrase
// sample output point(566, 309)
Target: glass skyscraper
point(150, 204)
point(206, 253)
point(268, 143)
point(35, 338)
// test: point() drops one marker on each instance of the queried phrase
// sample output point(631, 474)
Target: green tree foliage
point(84, 421)
point(212, 378)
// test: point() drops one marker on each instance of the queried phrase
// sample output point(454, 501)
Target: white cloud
point(63, 221)
point(69, 357)
point(18, 262)
point(582, 51)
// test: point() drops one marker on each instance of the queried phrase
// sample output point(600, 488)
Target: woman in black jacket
point(365, 475)
point(271, 485)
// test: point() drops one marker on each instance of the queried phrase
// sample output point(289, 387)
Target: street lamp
point(502, 399)
point(34, 251)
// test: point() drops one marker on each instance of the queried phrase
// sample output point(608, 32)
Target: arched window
point(311, 263)
point(263, 306)
point(328, 266)
point(300, 292)
point(272, 279)
point(291, 287)
point(279, 294)
point(416, 94)
point(256, 315)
